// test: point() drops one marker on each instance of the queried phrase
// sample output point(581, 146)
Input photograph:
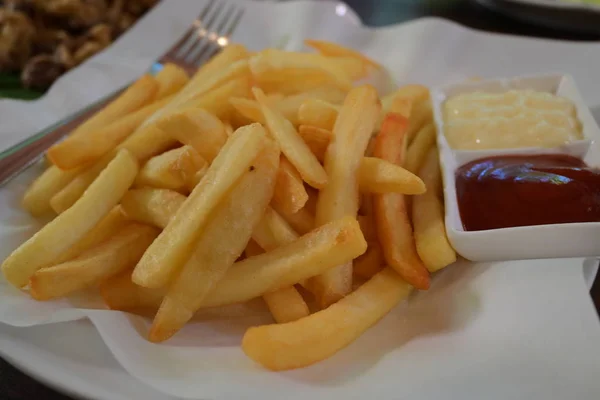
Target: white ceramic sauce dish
point(527, 242)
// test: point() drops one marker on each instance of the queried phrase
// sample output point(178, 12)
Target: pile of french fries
point(267, 174)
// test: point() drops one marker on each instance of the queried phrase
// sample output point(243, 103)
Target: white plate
point(493, 331)
point(575, 16)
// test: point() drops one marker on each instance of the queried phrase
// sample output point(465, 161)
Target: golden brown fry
point(174, 245)
point(216, 101)
point(317, 139)
point(428, 217)
point(290, 194)
point(335, 50)
point(221, 243)
point(171, 79)
point(292, 145)
point(417, 151)
point(379, 176)
point(318, 113)
point(339, 198)
point(197, 128)
point(37, 197)
point(393, 225)
point(332, 244)
point(152, 206)
point(420, 116)
point(118, 253)
point(114, 221)
point(320, 335)
point(61, 233)
point(171, 170)
point(286, 305)
point(138, 95)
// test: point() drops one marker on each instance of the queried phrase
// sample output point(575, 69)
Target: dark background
point(16, 386)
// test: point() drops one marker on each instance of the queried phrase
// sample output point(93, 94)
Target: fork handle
point(24, 154)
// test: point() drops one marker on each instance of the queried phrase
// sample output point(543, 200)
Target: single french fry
point(332, 244)
point(317, 139)
point(119, 253)
point(417, 151)
point(73, 191)
point(369, 263)
point(379, 176)
point(393, 225)
point(108, 226)
point(64, 231)
point(76, 151)
point(335, 50)
point(428, 218)
point(138, 95)
point(420, 116)
point(292, 81)
point(37, 197)
point(316, 337)
point(290, 194)
point(152, 206)
point(171, 170)
point(292, 145)
point(221, 243)
point(174, 245)
point(339, 198)
point(197, 128)
point(286, 305)
point(318, 113)
point(171, 79)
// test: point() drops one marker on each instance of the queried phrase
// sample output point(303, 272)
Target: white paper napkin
point(501, 330)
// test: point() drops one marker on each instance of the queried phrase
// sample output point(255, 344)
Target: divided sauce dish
point(564, 240)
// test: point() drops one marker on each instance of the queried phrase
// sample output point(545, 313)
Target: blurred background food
point(42, 39)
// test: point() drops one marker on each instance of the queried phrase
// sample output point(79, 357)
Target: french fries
point(170, 250)
point(340, 197)
point(173, 169)
point(393, 225)
point(115, 255)
point(64, 231)
point(316, 337)
point(292, 145)
point(266, 174)
point(428, 218)
point(212, 256)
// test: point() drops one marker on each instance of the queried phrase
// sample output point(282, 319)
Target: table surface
point(14, 385)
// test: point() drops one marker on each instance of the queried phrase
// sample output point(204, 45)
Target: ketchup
point(510, 191)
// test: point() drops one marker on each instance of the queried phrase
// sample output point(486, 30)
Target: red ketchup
point(510, 191)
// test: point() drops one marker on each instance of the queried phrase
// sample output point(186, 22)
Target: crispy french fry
point(320, 335)
point(379, 176)
point(336, 50)
point(340, 197)
point(369, 263)
point(152, 206)
point(317, 139)
point(37, 197)
point(65, 230)
point(290, 194)
point(197, 128)
point(286, 305)
point(80, 150)
point(292, 145)
point(117, 254)
point(174, 245)
point(420, 116)
point(171, 170)
point(108, 226)
point(417, 151)
point(138, 95)
point(428, 218)
point(318, 113)
point(393, 225)
point(332, 244)
point(171, 79)
point(221, 243)
point(302, 221)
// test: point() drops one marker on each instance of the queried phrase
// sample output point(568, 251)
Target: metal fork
point(207, 36)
